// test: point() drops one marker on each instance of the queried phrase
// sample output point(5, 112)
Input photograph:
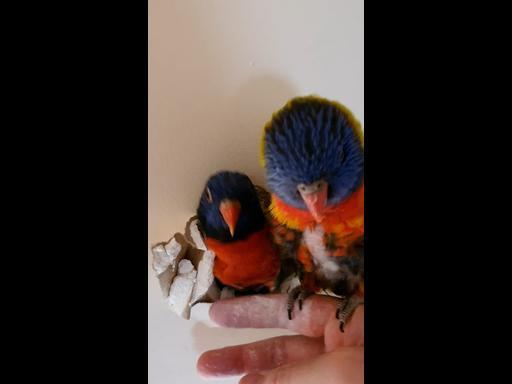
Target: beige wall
point(217, 70)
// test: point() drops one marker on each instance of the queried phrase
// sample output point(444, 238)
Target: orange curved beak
point(230, 210)
point(316, 202)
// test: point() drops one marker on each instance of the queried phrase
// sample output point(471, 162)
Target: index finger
point(317, 317)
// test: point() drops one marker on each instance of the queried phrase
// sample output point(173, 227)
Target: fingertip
point(217, 363)
point(217, 312)
point(207, 365)
point(212, 312)
point(201, 367)
point(253, 378)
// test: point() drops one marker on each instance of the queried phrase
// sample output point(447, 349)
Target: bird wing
point(264, 198)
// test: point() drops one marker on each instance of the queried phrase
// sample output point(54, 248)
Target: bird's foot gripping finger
point(346, 309)
point(299, 294)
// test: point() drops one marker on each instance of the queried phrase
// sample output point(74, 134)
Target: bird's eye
point(301, 188)
point(208, 195)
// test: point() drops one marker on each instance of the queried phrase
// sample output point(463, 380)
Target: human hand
point(319, 354)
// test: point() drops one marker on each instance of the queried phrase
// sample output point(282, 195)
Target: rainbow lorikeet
point(235, 228)
point(312, 150)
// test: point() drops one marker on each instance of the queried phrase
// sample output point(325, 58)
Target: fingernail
point(253, 378)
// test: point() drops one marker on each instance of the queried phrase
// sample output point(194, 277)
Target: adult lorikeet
point(312, 150)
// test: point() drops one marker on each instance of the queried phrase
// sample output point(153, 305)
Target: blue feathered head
point(229, 208)
point(313, 144)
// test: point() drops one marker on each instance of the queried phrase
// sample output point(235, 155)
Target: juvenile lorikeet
point(235, 228)
point(312, 150)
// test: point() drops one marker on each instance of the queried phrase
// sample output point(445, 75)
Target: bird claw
point(346, 309)
point(296, 294)
point(341, 304)
point(292, 296)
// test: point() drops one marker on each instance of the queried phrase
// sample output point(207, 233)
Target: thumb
point(341, 366)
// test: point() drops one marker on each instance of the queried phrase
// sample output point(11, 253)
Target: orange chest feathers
point(245, 263)
point(345, 221)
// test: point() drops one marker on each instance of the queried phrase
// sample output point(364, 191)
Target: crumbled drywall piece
point(173, 249)
point(166, 258)
point(161, 259)
point(179, 295)
point(205, 278)
point(193, 234)
point(185, 267)
point(181, 289)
